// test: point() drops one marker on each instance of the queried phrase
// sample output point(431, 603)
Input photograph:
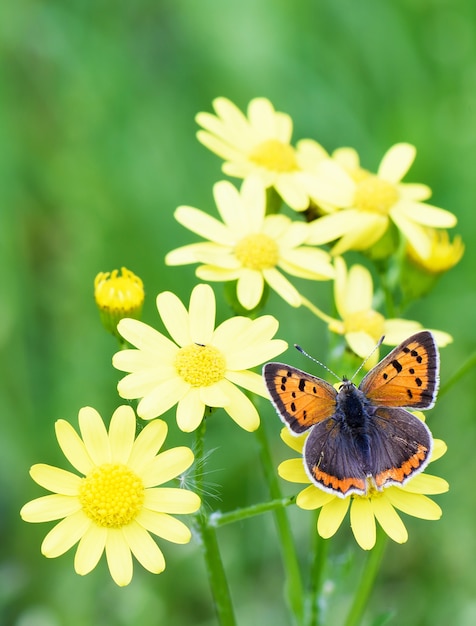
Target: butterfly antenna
point(316, 361)
point(377, 346)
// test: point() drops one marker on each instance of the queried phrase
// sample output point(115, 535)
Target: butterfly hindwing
point(334, 460)
point(407, 377)
point(300, 399)
point(400, 446)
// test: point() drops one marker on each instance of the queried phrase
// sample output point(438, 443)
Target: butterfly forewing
point(301, 399)
point(407, 377)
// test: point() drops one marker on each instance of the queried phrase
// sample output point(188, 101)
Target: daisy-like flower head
point(118, 296)
point(250, 246)
point(444, 254)
point(369, 202)
point(360, 323)
point(382, 506)
point(201, 366)
point(261, 144)
point(116, 502)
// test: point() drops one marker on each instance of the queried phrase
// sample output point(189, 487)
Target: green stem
point(319, 551)
point(367, 580)
point(218, 519)
point(294, 588)
point(211, 550)
point(387, 291)
point(467, 365)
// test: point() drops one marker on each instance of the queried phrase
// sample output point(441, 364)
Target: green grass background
point(97, 148)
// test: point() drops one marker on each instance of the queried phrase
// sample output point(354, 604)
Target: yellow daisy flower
point(444, 254)
point(369, 202)
point(250, 246)
point(117, 296)
point(116, 503)
point(364, 510)
point(260, 144)
point(202, 367)
point(361, 325)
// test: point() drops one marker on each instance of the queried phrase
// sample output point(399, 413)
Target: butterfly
point(362, 438)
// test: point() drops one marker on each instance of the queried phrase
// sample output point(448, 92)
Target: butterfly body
point(361, 438)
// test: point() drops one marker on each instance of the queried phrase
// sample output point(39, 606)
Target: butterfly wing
point(408, 376)
point(334, 460)
point(300, 399)
point(400, 446)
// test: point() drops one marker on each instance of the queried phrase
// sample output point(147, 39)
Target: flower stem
point(211, 550)
point(367, 580)
point(218, 519)
point(294, 588)
point(316, 573)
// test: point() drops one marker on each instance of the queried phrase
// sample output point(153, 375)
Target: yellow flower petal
point(49, 508)
point(389, 519)
point(293, 471)
point(296, 443)
point(55, 479)
point(166, 465)
point(282, 286)
point(161, 399)
point(396, 162)
point(122, 432)
point(94, 435)
point(439, 449)
point(165, 526)
point(427, 484)
point(175, 317)
point(144, 548)
point(240, 408)
point(362, 522)
point(90, 549)
point(65, 534)
point(119, 558)
point(250, 288)
point(147, 444)
point(331, 516)
point(73, 447)
point(413, 503)
point(313, 498)
point(191, 409)
point(202, 314)
point(171, 500)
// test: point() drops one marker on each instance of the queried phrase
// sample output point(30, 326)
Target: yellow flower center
point(274, 155)
point(369, 321)
point(200, 366)
point(119, 294)
point(111, 495)
point(257, 252)
point(375, 195)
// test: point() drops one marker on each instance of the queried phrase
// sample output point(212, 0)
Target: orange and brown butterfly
point(362, 438)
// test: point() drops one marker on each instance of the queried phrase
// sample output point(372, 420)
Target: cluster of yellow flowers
point(339, 206)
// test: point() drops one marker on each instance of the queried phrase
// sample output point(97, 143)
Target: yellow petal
point(296, 443)
point(293, 471)
point(55, 479)
point(119, 558)
point(389, 519)
point(362, 522)
point(331, 516)
point(144, 548)
point(312, 498)
point(413, 503)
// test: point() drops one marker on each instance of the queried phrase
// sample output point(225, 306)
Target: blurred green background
point(97, 149)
